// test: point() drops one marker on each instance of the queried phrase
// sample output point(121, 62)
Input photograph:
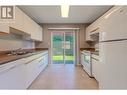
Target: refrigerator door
point(113, 65)
point(114, 24)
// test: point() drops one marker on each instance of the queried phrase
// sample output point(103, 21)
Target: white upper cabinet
point(40, 36)
point(18, 20)
point(32, 28)
point(114, 25)
point(36, 33)
point(4, 28)
point(88, 38)
point(93, 28)
point(25, 24)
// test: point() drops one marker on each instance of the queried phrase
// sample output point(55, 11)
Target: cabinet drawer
point(13, 77)
point(95, 68)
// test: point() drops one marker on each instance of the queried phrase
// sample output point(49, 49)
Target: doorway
point(63, 47)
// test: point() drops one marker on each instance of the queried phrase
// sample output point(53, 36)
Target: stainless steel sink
point(18, 52)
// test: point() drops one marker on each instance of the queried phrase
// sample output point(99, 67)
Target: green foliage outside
point(58, 50)
point(60, 58)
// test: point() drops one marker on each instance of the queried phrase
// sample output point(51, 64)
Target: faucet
point(18, 49)
point(14, 52)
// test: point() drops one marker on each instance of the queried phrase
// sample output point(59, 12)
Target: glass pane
point(69, 48)
point(58, 51)
point(87, 58)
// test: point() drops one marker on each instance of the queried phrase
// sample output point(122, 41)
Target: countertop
point(5, 58)
point(92, 52)
point(88, 49)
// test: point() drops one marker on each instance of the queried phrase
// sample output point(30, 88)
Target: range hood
point(95, 31)
point(3, 33)
point(19, 32)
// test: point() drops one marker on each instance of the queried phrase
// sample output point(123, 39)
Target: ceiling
point(52, 14)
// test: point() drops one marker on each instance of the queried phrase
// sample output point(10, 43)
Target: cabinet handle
point(36, 58)
point(7, 70)
point(95, 59)
point(94, 30)
point(30, 61)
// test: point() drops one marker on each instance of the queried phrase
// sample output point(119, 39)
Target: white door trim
point(76, 51)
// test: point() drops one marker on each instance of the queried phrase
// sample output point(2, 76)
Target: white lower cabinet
point(42, 63)
point(82, 58)
point(12, 76)
point(31, 73)
point(95, 66)
point(21, 73)
point(34, 66)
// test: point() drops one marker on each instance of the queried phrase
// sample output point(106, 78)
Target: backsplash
point(12, 42)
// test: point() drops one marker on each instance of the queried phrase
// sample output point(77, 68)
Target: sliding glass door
point(63, 47)
point(57, 48)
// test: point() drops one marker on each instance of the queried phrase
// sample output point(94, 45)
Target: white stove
point(86, 62)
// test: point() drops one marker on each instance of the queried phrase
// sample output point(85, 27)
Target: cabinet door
point(46, 59)
point(12, 78)
point(34, 34)
point(40, 64)
point(43, 62)
point(18, 21)
point(34, 65)
point(31, 72)
point(81, 60)
point(4, 27)
point(114, 25)
point(95, 68)
point(87, 34)
point(27, 28)
point(40, 33)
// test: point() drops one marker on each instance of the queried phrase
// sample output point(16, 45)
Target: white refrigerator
point(113, 50)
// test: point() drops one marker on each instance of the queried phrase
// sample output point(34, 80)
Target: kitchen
point(97, 48)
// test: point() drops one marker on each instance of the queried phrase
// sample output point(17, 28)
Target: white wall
point(47, 35)
point(11, 42)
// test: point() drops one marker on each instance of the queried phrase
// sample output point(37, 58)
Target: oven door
point(87, 59)
point(87, 63)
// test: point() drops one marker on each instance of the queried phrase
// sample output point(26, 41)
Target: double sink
point(18, 52)
point(14, 55)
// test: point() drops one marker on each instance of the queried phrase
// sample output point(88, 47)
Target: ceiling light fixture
point(64, 11)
